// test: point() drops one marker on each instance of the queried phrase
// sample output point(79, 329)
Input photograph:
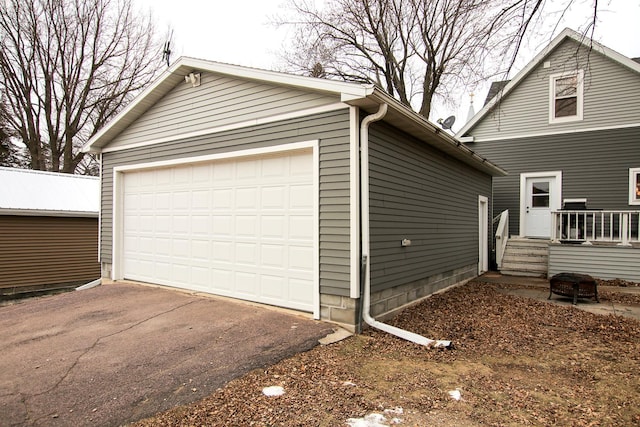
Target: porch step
point(526, 257)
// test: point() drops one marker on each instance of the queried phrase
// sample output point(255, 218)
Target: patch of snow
point(455, 394)
point(377, 420)
point(274, 390)
point(349, 383)
point(371, 420)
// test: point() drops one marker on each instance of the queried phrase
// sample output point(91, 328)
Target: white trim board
point(233, 126)
point(472, 139)
point(118, 195)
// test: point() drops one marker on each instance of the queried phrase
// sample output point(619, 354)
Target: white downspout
point(364, 195)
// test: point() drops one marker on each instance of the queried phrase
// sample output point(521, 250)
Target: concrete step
point(534, 266)
point(532, 242)
point(527, 251)
point(524, 273)
point(525, 258)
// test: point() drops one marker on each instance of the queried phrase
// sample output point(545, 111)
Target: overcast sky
point(239, 32)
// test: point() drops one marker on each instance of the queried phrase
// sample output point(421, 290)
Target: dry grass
point(516, 362)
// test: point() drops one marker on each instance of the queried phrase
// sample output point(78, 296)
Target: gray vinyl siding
point(332, 129)
point(218, 101)
point(594, 165)
point(603, 262)
point(611, 93)
point(420, 194)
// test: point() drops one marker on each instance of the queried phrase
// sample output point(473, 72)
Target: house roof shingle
point(496, 87)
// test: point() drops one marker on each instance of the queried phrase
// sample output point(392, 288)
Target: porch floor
point(537, 288)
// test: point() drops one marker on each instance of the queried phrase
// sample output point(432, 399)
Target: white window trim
point(633, 173)
point(579, 95)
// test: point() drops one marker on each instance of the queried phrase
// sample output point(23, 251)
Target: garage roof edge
point(348, 91)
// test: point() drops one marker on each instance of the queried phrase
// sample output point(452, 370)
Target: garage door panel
point(273, 198)
point(301, 197)
point(247, 170)
point(299, 290)
point(201, 250)
point(222, 225)
point(246, 254)
point(239, 228)
point(200, 200)
point(223, 251)
point(301, 227)
point(300, 258)
point(222, 199)
point(246, 225)
point(273, 287)
point(246, 284)
point(246, 198)
point(273, 256)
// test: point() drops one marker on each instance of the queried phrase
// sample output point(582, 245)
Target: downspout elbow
point(366, 268)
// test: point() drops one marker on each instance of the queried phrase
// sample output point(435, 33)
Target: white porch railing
point(591, 226)
point(502, 235)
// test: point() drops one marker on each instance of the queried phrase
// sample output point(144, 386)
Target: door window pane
point(540, 194)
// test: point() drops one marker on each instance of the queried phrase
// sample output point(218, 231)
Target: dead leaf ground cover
point(516, 361)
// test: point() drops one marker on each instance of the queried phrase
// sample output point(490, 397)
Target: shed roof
point(366, 96)
point(29, 192)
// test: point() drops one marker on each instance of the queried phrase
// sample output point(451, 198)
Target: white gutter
point(364, 195)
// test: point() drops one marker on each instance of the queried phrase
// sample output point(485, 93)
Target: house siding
point(611, 93)
point(603, 262)
point(331, 129)
point(38, 252)
point(236, 101)
point(594, 165)
point(421, 194)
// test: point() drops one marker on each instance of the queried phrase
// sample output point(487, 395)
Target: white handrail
point(502, 235)
point(589, 226)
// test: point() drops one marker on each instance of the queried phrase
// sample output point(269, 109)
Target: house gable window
point(634, 186)
point(565, 97)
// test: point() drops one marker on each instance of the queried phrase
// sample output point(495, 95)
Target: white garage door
point(240, 228)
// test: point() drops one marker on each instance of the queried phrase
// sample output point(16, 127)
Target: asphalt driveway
point(120, 352)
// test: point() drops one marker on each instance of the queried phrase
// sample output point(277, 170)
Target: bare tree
point(11, 155)
point(414, 49)
point(67, 67)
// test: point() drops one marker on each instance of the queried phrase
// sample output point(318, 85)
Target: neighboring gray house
point(284, 190)
point(567, 130)
point(48, 230)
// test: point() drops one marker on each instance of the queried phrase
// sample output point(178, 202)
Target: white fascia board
point(91, 146)
point(566, 33)
point(347, 89)
point(550, 133)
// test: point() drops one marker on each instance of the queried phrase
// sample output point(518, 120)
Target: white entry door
point(540, 195)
